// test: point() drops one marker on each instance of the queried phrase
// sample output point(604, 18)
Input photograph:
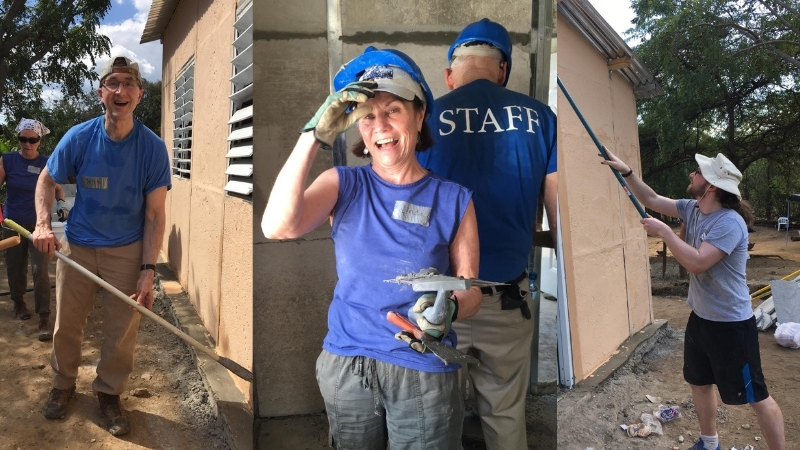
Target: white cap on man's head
point(720, 172)
point(121, 64)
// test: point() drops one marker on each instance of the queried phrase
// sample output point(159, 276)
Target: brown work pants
point(501, 339)
point(120, 267)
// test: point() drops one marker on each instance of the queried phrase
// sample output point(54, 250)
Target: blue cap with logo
point(488, 32)
point(394, 72)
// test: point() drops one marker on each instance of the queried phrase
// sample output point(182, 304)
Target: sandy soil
point(173, 413)
point(592, 418)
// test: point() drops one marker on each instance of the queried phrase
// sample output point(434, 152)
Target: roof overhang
point(158, 18)
point(582, 15)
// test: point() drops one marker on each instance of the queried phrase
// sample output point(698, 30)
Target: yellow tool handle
point(764, 291)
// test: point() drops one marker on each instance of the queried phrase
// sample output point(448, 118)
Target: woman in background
point(19, 170)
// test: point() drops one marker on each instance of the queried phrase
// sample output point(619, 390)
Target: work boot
point(56, 405)
point(21, 311)
point(44, 328)
point(117, 422)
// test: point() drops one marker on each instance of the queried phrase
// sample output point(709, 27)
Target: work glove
point(62, 210)
point(412, 342)
point(340, 111)
point(435, 330)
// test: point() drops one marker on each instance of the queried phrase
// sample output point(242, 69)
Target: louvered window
point(182, 130)
point(240, 139)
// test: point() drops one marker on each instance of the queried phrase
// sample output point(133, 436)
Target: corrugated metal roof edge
point(582, 15)
point(158, 18)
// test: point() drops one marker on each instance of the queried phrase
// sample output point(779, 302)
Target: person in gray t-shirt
point(721, 343)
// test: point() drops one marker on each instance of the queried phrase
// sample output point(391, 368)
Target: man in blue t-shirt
point(115, 230)
point(502, 145)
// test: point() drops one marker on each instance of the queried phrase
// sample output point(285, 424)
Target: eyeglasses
point(28, 140)
point(113, 85)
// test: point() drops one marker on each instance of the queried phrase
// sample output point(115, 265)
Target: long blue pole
point(602, 150)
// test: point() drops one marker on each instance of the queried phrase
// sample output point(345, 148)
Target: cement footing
point(233, 414)
point(639, 343)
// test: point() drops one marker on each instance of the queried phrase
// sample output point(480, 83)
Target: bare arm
point(155, 220)
point(464, 262)
point(644, 193)
point(2, 172)
point(550, 202)
point(695, 260)
point(43, 238)
point(60, 195)
point(293, 210)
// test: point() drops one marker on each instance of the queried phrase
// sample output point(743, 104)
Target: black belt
point(491, 290)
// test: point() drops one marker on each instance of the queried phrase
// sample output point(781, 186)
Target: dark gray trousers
point(17, 271)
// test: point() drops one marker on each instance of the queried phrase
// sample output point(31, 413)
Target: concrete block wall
point(204, 224)
point(293, 281)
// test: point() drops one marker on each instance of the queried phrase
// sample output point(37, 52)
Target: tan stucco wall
point(294, 280)
point(605, 247)
point(209, 242)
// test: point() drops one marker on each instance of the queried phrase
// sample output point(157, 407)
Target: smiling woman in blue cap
point(388, 218)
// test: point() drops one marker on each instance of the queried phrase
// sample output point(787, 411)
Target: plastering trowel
point(428, 280)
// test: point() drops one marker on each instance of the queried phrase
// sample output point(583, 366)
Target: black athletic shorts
point(725, 354)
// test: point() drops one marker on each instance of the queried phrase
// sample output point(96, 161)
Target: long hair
point(424, 141)
point(731, 201)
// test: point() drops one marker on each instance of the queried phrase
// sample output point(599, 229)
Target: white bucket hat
point(720, 172)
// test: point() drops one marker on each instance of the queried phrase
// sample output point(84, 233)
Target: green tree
point(45, 43)
point(57, 115)
point(729, 72)
point(149, 110)
point(62, 114)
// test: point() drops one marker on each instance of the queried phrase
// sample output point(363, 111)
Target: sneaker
point(44, 328)
point(117, 422)
point(700, 445)
point(56, 405)
point(21, 311)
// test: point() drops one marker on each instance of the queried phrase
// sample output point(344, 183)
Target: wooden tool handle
point(9, 242)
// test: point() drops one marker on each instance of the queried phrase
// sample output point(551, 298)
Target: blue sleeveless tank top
point(21, 178)
point(382, 230)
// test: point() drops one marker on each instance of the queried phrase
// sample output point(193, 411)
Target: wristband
point(149, 266)
point(455, 311)
point(60, 203)
point(627, 174)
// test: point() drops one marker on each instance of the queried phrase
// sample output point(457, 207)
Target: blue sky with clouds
point(125, 21)
point(123, 25)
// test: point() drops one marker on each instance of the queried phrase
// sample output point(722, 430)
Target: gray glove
point(62, 210)
point(333, 117)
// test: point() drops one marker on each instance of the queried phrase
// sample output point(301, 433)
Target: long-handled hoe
point(235, 368)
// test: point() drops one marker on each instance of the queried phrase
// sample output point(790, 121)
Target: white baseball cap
point(394, 80)
point(720, 172)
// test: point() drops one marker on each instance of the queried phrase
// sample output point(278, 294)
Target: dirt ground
point(592, 418)
point(173, 413)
